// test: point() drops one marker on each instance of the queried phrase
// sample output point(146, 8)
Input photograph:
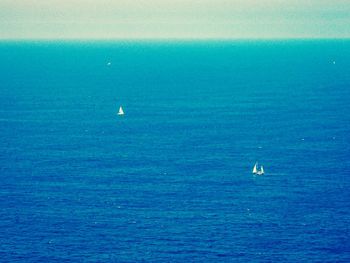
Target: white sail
point(261, 170)
point(255, 170)
point(120, 112)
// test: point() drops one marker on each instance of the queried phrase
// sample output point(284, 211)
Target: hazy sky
point(110, 19)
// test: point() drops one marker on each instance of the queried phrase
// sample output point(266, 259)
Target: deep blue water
point(170, 181)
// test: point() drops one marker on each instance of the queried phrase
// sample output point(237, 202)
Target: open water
point(171, 181)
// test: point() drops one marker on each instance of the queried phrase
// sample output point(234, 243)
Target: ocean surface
point(171, 180)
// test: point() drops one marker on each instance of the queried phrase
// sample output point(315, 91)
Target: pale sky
point(125, 19)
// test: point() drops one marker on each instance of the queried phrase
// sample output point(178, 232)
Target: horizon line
point(170, 39)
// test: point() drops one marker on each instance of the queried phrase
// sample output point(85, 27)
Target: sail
point(255, 170)
point(261, 169)
point(120, 112)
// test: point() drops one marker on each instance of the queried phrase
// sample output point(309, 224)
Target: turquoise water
point(170, 181)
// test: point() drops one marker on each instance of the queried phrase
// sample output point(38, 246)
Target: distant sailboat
point(120, 112)
point(261, 170)
point(256, 171)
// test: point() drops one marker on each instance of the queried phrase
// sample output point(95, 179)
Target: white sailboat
point(120, 112)
point(261, 170)
point(256, 171)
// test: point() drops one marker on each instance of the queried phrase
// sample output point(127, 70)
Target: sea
point(171, 180)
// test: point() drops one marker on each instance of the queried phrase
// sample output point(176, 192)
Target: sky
point(167, 19)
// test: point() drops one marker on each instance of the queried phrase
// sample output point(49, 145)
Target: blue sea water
point(171, 181)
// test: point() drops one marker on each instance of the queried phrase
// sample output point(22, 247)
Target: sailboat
point(256, 171)
point(120, 112)
point(261, 170)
